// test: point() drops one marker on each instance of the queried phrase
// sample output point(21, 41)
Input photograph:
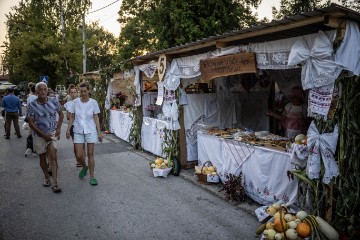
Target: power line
point(104, 7)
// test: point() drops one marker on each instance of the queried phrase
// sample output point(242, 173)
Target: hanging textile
point(322, 146)
point(137, 87)
point(275, 54)
point(108, 96)
point(320, 101)
point(149, 69)
point(350, 46)
point(318, 65)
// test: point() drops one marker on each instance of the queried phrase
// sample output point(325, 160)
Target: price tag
point(162, 66)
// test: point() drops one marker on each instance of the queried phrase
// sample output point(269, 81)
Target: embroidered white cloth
point(318, 65)
point(275, 54)
point(320, 101)
point(350, 47)
point(152, 135)
point(120, 124)
point(149, 69)
point(137, 87)
point(322, 146)
point(108, 97)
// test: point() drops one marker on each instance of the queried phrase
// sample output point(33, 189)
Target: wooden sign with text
point(227, 66)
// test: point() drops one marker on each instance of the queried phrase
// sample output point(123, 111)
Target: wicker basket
point(202, 177)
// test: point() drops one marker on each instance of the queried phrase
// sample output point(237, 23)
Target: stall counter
point(264, 170)
point(120, 124)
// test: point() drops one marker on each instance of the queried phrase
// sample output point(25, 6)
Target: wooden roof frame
point(332, 17)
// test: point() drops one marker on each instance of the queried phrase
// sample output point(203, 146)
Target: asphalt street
point(128, 203)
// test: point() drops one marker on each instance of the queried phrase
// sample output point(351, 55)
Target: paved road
point(128, 203)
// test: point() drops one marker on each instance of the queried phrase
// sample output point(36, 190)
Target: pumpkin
point(291, 234)
point(280, 225)
point(159, 161)
point(303, 229)
point(301, 215)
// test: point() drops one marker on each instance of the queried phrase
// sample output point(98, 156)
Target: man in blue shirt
point(12, 106)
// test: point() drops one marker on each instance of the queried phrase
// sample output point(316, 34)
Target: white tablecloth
point(120, 124)
point(264, 170)
point(152, 135)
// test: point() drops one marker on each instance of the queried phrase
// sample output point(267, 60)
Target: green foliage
point(293, 7)
point(347, 187)
point(149, 25)
point(353, 4)
point(39, 43)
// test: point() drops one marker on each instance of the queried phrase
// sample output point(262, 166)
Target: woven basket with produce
point(207, 173)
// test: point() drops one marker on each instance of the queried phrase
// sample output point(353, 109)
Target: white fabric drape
point(350, 47)
point(318, 65)
point(137, 87)
point(264, 170)
point(108, 96)
point(322, 146)
point(120, 124)
point(275, 54)
point(320, 101)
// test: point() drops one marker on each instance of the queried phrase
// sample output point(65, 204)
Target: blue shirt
point(11, 103)
point(44, 115)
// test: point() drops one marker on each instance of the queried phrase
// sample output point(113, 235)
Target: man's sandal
point(56, 189)
point(46, 183)
point(83, 172)
point(93, 182)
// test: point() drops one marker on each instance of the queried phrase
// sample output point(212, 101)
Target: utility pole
point(84, 46)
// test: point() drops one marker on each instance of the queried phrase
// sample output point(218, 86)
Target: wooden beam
point(221, 44)
point(334, 22)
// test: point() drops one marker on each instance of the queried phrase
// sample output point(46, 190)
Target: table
point(264, 170)
point(120, 124)
point(152, 135)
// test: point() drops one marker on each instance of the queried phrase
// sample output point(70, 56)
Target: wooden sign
point(162, 66)
point(227, 66)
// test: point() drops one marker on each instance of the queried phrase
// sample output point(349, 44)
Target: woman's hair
point(31, 86)
point(297, 91)
point(85, 84)
point(71, 86)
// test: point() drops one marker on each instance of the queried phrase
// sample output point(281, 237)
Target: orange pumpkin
point(278, 226)
point(303, 229)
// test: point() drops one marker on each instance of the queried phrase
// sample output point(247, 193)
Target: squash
point(303, 229)
point(159, 161)
point(280, 225)
point(301, 215)
point(291, 234)
point(278, 236)
point(271, 210)
point(270, 234)
point(269, 225)
point(327, 229)
point(288, 217)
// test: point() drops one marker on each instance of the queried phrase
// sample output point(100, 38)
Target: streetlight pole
point(84, 46)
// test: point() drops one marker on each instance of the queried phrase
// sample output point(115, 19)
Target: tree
point(353, 4)
point(36, 44)
point(149, 25)
point(294, 7)
point(101, 47)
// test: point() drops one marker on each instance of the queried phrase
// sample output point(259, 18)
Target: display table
point(120, 124)
point(264, 170)
point(152, 135)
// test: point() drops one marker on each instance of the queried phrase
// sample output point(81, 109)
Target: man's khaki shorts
point(40, 145)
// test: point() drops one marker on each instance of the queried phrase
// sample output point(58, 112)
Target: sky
point(107, 16)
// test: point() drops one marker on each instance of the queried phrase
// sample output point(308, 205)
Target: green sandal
point(93, 181)
point(83, 172)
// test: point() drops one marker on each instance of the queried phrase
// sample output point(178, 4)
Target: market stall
point(120, 101)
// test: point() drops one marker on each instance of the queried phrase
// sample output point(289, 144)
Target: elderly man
point(12, 106)
point(46, 125)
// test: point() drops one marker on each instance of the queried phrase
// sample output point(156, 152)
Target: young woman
point(84, 116)
point(73, 94)
point(294, 116)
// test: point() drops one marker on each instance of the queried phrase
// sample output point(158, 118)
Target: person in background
point(32, 95)
point(13, 110)
point(72, 94)
point(294, 116)
point(45, 119)
point(84, 116)
point(68, 97)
